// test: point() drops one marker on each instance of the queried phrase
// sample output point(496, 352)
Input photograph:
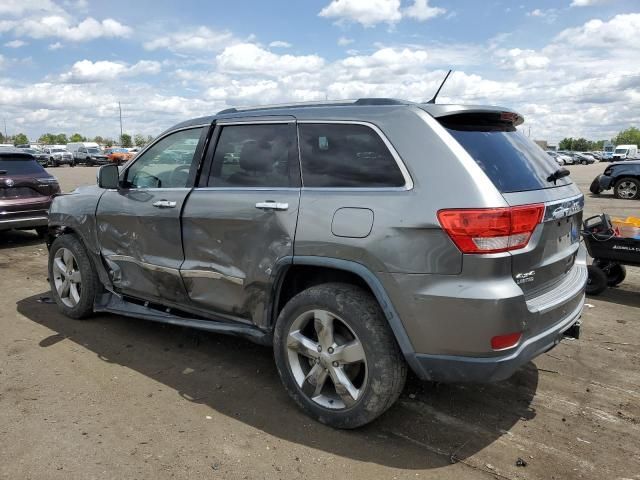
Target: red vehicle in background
point(26, 191)
point(118, 155)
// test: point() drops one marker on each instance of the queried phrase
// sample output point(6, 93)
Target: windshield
point(55, 150)
point(511, 160)
point(19, 166)
point(93, 150)
point(621, 150)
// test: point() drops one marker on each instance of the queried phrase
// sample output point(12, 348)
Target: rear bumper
point(449, 368)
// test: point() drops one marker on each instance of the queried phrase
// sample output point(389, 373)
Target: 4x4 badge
point(525, 277)
point(9, 182)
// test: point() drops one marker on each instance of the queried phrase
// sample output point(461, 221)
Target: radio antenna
point(433, 100)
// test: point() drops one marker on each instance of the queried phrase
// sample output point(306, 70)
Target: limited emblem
point(525, 277)
point(9, 182)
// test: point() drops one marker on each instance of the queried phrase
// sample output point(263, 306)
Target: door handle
point(164, 204)
point(271, 205)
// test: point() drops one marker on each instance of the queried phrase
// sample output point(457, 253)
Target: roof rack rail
point(335, 103)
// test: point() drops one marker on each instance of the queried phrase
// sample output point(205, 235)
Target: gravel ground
point(120, 398)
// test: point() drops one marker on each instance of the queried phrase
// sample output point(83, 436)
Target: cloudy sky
point(572, 67)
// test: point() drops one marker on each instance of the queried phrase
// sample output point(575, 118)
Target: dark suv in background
point(26, 191)
point(358, 239)
point(623, 177)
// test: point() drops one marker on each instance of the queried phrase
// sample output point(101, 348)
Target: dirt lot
point(121, 398)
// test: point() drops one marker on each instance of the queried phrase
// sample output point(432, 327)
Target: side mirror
point(109, 177)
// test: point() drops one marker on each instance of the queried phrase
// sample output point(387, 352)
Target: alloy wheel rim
point(66, 277)
point(327, 360)
point(627, 190)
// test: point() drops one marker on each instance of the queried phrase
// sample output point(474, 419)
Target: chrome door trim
point(148, 266)
point(211, 274)
point(408, 181)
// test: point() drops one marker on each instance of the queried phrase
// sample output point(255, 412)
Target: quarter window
point(346, 155)
point(167, 163)
point(256, 156)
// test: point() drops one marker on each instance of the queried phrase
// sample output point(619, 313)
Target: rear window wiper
point(3, 172)
point(557, 175)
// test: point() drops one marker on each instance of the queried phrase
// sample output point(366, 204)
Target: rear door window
point(511, 160)
point(253, 156)
point(19, 166)
point(346, 156)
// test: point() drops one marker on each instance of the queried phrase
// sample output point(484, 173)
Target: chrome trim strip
point(211, 274)
point(408, 181)
point(39, 210)
point(26, 220)
point(244, 189)
point(140, 263)
point(557, 209)
point(248, 121)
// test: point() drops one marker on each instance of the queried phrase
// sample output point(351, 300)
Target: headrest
point(256, 157)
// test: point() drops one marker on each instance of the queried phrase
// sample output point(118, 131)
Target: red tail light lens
point(505, 341)
point(491, 230)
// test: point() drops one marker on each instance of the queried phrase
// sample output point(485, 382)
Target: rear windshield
point(22, 166)
point(512, 161)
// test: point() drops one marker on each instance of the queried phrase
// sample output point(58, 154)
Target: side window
point(256, 156)
point(346, 155)
point(167, 163)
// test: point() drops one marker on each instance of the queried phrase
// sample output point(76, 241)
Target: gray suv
point(356, 238)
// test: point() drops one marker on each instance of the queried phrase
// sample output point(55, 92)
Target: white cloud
point(366, 12)
point(198, 39)
point(54, 46)
point(280, 44)
point(344, 41)
point(16, 44)
point(587, 3)
point(622, 31)
point(421, 11)
point(104, 70)
point(522, 59)
point(60, 27)
point(18, 8)
point(249, 57)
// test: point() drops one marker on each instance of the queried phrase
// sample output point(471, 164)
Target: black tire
point(583, 162)
point(595, 187)
point(90, 284)
point(620, 184)
point(616, 273)
point(386, 369)
point(89, 162)
point(597, 281)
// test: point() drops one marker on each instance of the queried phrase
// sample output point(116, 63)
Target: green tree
point(1, 138)
point(47, 138)
point(20, 139)
point(575, 144)
point(61, 139)
point(76, 137)
point(139, 140)
point(125, 140)
point(630, 136)
point(108, 142)
point(98, 139)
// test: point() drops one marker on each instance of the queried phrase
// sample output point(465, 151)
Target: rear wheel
point(597, 281)
point(336, 355)
point(627, 188)
point(74, 283)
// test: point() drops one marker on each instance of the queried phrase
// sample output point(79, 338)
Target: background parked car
point(625, 152)
point(57, 156)
point(623, 177)
point(26, 191)
point(90, 156)
point(41, 157)
point(118, 155)
point(561, 157)
point(584, 158)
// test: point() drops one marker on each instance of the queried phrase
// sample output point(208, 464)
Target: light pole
point(120, 109)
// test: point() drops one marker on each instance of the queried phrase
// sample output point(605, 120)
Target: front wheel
point(336, 355)
point(74, 283)
point(627, 189)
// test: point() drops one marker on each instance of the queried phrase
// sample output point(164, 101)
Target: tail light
point(491, 230)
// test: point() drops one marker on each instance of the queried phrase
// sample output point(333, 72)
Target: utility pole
point(5, 128)
point(120, 109)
